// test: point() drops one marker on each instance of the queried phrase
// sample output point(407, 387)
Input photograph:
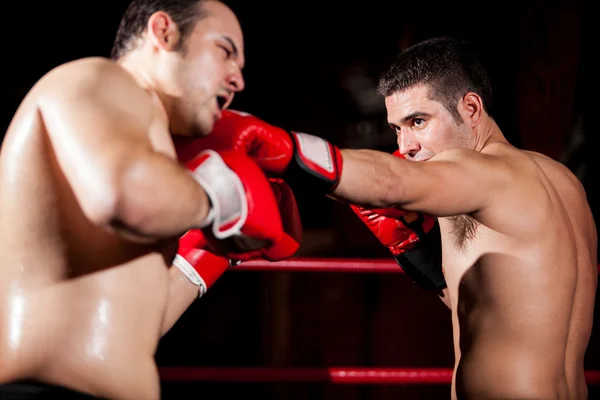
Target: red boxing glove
point(203, 268)
point(188, 147)
point(395, 228)
point(200, 266)
point(289, 242)
point(413, 239)
point(244, 215)
point(290, 216)
point(299, 158)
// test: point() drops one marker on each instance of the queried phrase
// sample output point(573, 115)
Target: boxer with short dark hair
point(519, 242)
point(93, 202)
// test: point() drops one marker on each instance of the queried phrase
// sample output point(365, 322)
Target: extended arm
point(452, 183)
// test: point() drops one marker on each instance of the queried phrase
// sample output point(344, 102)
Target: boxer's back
point(525, 286)
point(581, 244)
point(76, 300)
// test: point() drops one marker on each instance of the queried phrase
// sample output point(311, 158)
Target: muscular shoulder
point(97, 80)
point(555, 170)
point(513, 180)
point(517, 163)
point(495, 162)
point(82, 74)
point(542, 178)
point(527, 172)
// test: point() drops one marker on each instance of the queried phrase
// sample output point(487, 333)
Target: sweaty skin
point(92, 201)
point(519, 246)
point(75, 298)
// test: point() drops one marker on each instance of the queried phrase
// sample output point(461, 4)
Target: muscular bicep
point(95, 124)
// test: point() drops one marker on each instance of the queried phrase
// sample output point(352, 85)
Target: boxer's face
point(204, 74)
point(424, 126)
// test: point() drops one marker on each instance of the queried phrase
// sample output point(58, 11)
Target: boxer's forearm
point(182, 293)
point(372, 179)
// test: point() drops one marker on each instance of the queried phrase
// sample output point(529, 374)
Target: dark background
point(313, 67)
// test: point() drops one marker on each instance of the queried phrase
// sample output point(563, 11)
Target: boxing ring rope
point(344, 265)
point(337, 375)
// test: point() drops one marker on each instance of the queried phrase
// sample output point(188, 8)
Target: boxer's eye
point(221, 101)
point(228, 52)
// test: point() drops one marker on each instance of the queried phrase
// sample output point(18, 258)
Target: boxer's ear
point(471, 108)
point(163, 32)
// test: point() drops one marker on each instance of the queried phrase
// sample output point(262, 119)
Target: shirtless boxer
point(519, 243)
point(93, 201)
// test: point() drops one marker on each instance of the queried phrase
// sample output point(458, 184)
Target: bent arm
point(452, 183)
point(99, 128)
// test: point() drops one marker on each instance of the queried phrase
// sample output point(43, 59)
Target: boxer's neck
point(136, 63)
point(488, 132)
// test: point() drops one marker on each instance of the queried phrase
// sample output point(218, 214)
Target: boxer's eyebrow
point(413, 115)
point(234, 48)
point(408, 118)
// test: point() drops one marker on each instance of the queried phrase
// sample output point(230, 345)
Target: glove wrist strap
point(316, 164)
point(190, 272)
point(226, 193)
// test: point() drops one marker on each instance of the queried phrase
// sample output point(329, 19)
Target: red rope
point(322, 265)
point(307, 264)
point(334, 375)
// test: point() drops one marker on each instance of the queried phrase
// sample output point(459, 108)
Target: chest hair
point(464, 228)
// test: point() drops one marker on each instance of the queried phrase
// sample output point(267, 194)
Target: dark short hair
point(185, 13)
point(447, 65)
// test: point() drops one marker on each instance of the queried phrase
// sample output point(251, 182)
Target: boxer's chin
point(423, 156)
point(204, 125)
point(204, 130)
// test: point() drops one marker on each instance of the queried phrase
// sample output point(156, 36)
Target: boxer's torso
point(522, 280)
point(79, 306)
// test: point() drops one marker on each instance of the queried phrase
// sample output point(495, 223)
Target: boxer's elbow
point(98, 199)
point(135, 194)
point(109, 205)
point(119, 196)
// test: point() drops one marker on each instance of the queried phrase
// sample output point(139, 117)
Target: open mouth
point(221, 101)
